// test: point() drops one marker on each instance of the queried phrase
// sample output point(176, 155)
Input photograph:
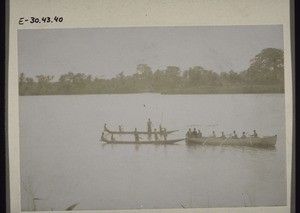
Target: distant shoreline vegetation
point(264, 75)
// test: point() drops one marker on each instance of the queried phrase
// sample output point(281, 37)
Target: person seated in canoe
point(120, 128)
point(194, 133)
point(243, 136)
point(234, 136)
point(199, 134)
point(165, 134)
point(213, 134)
point(254, 134)
point(112, 137)
point(223, 136)
point(136, 135)
point(149, 126)
point(188, 133)
point(155, 135)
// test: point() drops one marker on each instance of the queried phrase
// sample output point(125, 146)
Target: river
point(63, 162)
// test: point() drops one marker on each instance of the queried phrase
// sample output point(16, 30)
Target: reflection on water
point(193, 146)
point(136, 146)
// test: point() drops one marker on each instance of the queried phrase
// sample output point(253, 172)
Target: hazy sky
point(106, 52)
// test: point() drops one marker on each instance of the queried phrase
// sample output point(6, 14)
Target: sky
point(106, 52)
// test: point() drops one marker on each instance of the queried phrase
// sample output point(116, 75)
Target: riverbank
point(245, 89)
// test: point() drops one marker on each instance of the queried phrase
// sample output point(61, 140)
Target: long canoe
point(142, 142)
point(249, 141)
point(139, 132)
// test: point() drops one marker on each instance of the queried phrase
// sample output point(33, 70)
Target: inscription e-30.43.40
point(40, 20)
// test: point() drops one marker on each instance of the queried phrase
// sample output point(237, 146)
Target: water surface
point(63, 162)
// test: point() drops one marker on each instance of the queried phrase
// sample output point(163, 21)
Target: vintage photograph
point(152, 117)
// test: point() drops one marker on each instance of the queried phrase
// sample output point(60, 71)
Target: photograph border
point(142, 13)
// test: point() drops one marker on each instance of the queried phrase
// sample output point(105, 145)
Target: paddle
point(249, 137)
point(205, 140)
point(250, 141)
point(223, 141)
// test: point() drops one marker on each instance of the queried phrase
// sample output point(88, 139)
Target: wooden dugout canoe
point(142, 142)
point(249, 141)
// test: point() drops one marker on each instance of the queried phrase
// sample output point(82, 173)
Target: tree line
point(264, 75)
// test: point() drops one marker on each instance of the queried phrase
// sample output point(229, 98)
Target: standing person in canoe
point(149, 126)
point(234, 135)
point(165, 134)
point(136, 135)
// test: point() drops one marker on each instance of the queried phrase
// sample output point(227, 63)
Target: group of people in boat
point(149, 128)
point(158, 135)
point(198, 134)
point(162, 133)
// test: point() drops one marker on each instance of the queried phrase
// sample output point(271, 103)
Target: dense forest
point(264, 75)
